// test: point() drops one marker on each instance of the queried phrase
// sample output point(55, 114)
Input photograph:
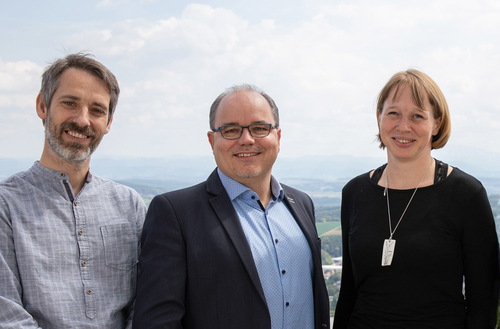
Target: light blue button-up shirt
point(281, 254)
point(67, 261)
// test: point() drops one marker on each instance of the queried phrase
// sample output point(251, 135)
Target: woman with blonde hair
point(420, 249)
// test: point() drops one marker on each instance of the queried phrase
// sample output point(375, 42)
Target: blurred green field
point(326, 227)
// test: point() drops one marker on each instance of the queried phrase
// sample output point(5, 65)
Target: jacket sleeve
point(162, 265)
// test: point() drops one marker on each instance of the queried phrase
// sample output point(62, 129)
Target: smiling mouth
point(244, 155)
point(403, 141)
point(76, 135)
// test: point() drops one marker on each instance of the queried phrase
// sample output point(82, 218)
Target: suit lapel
point(302, 218)
point(227, 215)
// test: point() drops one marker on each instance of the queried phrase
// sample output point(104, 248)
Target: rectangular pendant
point(388, 252)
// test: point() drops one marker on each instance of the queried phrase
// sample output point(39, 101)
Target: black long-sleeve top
point(447, 234)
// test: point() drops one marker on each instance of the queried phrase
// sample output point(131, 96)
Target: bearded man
point(69, 240)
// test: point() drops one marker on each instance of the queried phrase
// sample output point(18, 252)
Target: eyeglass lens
point(256, 130)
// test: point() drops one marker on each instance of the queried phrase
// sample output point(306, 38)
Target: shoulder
point(184, 195)
point(14, 185)
point(16, 192)
point(299, 195)
point(117, 191)
point(358, 182)
point(460, 190)
point(186, 204)
point(294, 195)
point(199, 192)
point(108, 184)
point(294, 191)
point(463, 183)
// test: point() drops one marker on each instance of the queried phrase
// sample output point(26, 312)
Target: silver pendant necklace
point(390, 244)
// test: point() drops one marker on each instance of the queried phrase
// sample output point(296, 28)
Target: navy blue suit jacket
point(197, 269)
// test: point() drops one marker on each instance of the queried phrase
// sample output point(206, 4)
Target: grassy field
point(328, 228)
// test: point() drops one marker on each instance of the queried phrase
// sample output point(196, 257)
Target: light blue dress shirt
point(67, 261)
point(281, 254)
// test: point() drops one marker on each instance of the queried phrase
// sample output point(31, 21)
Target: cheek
point(382, 125)
point(221, 151)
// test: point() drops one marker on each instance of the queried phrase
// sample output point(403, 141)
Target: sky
point(323, 62)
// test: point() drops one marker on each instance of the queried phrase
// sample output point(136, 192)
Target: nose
point(246, 137)
point(82, 117)
point(404, 124)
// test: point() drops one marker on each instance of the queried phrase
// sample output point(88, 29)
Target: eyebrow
point(252, 123)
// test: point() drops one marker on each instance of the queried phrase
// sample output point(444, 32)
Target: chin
point(248, 173)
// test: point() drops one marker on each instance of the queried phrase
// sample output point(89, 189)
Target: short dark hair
point(82, 61)
point(215, 104)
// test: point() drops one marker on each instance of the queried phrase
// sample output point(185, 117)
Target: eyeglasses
point(257, 130)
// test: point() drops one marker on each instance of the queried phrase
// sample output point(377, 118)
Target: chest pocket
point(120, 246)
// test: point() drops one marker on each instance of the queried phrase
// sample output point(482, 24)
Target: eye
point(69, 103)
point(231, 130)
point(260, 128)
point(99, 111)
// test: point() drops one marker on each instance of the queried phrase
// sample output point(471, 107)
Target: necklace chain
point(386, 193)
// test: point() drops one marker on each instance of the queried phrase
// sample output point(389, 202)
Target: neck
point(77, 172)
point(407, 175)
point(261, 187)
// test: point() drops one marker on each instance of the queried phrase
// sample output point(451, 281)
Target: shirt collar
point(54, 174)
point(235, 189)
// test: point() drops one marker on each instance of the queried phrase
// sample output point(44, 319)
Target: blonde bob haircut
point(422, 86)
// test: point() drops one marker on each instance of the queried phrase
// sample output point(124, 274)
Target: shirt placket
point(85, 264)
point(279, 248)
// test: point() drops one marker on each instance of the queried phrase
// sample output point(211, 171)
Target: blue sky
point(323, 62)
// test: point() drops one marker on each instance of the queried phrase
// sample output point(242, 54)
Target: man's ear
point(108, 127)
point(41, 108)
point(210, 135)
point(278, 131)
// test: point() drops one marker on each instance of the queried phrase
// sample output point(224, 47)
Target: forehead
point(79, 81)
point(404, 91)
point(243, 107)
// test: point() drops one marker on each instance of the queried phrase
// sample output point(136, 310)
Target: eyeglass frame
point(271, 126)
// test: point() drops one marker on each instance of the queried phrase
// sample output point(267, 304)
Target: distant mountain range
point(323, 175)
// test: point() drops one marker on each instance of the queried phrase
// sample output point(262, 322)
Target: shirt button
point(89, 292)
point(287, 304)
point(84, 263)
point(283, 272)
point(276, 240)
point(80, 232)
point(253, 197)
point(76, 203)
point(61, 174)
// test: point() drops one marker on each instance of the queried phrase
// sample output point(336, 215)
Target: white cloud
point(324, 70)
point(107, 42)
point(21, 75)
point(19, 85)
point(104, 4)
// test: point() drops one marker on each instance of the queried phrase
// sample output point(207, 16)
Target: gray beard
point(74, 152)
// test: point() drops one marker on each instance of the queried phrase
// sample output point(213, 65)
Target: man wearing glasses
point(239, 250)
